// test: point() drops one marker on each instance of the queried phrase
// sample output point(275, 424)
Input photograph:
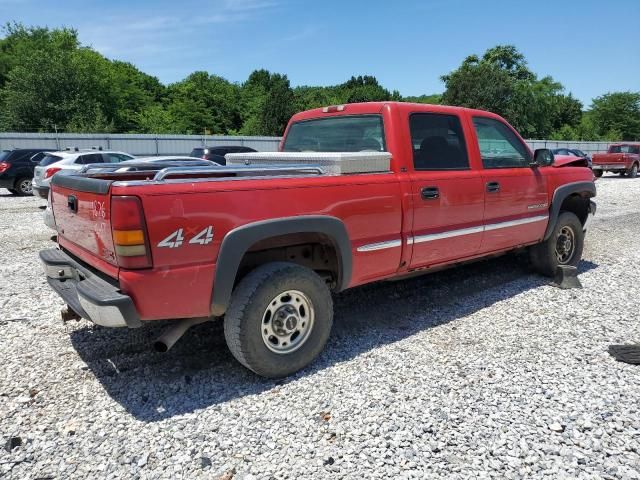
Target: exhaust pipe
point(174, 333)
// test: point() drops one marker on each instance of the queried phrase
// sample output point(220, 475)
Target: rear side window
point(37, 157)
point(49, 159)
point(354, 133)
point(90, 158)
point(438, 142)
point(499, 146)
point(197, 152)
point(3, 155)
point(115, 157)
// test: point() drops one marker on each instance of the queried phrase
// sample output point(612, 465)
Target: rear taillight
point(129, 232)
point(4, 166)
point(50, 172)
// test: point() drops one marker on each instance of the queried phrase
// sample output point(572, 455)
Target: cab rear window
point(354, 133)
point(49, 159)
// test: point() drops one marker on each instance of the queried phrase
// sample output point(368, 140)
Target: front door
point(447, 195)
point(516, 206)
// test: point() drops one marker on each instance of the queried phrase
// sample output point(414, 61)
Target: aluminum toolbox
point(335, 163)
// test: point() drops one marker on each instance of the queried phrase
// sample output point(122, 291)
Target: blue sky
point(591, 47)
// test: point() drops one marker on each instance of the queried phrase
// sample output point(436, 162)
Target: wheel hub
point(565, 245)
point(287, 322)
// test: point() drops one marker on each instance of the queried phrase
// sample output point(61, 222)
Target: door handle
point(493, 187)
point(430, 193)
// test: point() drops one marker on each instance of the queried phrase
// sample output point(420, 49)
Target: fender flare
point(236, 243)
point(585, 189)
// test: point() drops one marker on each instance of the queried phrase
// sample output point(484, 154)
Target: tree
point(267, 103)
point(617, 112)
point(52, 87)
point(204, 102)
point(500, 81)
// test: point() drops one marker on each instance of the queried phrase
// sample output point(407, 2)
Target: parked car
point(621, 158)
point(216, 154)
point(574, 152)
point(16, 169)
point(266, 250)
point(69, 160)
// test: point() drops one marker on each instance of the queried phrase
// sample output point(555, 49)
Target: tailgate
point(82, 211)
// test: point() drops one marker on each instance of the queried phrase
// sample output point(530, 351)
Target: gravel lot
point(482, 371)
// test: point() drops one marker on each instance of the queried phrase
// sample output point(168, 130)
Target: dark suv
point(216, 154)
point(16, 168)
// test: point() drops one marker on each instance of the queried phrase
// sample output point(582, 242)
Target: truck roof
point(377, 107)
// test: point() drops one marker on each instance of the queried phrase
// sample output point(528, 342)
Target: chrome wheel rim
point(25, 186)
point(565, 245)
point(287, 322)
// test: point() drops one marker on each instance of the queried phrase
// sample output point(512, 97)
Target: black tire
point(23, 186)
point(598, 173)
point(633, 172)
point(545, 255)
point(247, 318)
point(622, 173)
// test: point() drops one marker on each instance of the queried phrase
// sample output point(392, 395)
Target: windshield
point(624, 149)
point(356, 133)
point(49, 159)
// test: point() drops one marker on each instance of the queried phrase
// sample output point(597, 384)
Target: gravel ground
point(481, 371)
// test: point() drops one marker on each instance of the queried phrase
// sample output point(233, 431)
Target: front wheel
point(23, 186)
point(563, 247)
point(279, 319)
point(633, 173)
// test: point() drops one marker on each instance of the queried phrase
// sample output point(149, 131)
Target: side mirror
point(542, 157)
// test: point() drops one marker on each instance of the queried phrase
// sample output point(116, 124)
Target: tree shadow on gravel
point(200, 372)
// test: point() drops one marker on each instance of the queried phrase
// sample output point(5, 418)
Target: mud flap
point(626, 353)
point(567, 277)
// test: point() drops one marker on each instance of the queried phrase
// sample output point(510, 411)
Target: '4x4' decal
point(176, 238)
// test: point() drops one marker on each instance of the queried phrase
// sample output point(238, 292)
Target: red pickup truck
point(622, 158)
point(265, 246)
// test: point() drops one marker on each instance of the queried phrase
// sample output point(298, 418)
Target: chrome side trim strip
point(513, 223)
point(451, 233)
point(371, 247)
point(479, 229)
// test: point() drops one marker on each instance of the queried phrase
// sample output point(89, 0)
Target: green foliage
point(501, 82)
point(618, 113)
point(47, 79)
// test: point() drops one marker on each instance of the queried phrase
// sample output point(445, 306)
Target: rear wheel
point(563, 247)
point(279, 319)
point(633, 173)
point(23, 186)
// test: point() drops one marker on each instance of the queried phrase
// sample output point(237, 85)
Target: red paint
point(374, 208)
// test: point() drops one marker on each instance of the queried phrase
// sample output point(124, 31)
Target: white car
point(75, 159)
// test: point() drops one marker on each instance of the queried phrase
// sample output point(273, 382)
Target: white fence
point(138, 144)
point(135, 144)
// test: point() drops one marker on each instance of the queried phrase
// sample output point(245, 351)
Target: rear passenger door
point(447, 194)
point(516, 205)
